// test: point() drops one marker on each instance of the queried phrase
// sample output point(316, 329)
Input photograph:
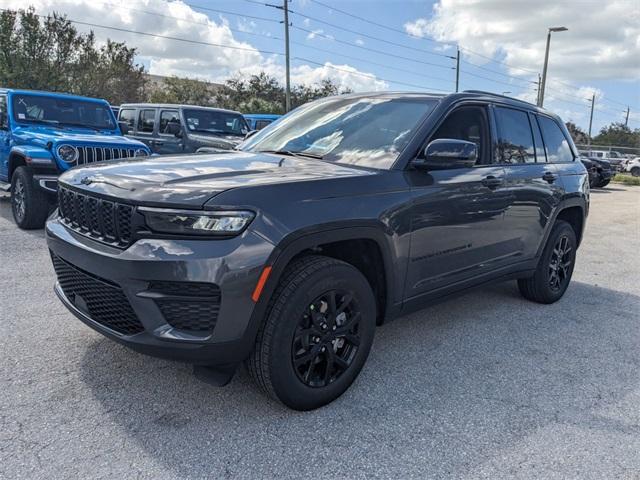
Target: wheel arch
point(357, 241)
point(573, 211)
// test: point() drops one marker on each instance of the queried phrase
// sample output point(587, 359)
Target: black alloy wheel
point(326, 339)
point(560, 264)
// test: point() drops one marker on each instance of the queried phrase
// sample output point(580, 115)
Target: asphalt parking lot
point(484, 386)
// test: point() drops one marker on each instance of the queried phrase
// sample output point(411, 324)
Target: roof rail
point(498, 95)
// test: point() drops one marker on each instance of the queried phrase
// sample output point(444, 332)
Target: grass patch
point(626, 179)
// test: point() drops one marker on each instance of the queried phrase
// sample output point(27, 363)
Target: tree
point(618, 134)
point(184, 91)
point(264, 94)
point(577, 134)
point(50, 54)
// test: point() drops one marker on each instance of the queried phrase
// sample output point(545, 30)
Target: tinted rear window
point(556, 144)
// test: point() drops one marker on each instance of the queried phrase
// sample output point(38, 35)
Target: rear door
point(166, 142)
point(457, 225)
point(533, 183)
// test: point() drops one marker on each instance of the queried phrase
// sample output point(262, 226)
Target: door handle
point(491, 182)
point(156, 142)
point(549, 177)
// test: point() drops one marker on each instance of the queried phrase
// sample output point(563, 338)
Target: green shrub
point(626, 179)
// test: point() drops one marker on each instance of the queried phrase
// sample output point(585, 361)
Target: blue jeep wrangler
point(42, 134)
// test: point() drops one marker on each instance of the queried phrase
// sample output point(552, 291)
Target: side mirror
point(447, 153)
point(124, 127)
point(173, 128)
point(250, 134)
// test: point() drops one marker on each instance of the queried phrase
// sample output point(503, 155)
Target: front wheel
point(317, 334)
point(635, 171)
point(29, 205)
point(555, 268)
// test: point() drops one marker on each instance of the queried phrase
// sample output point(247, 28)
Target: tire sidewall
point(286, 384)
point(19, 177)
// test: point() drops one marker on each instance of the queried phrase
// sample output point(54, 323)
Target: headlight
point(191, 222)
point(140, 152)
point(68, 153)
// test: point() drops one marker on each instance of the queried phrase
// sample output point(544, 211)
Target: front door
point(457, 214)
point(5, 139)
point(167, 142)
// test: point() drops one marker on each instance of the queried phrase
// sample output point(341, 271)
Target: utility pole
point(593, 101)
point(546, 63)
point(538, 90)
point(286, 49)
point(458, 70)
point(626, 120)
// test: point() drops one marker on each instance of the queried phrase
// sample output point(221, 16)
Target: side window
point(556, 144)
point(515, 141)
point(146, 121)
point(260, 124)
point(167, 117)
point(128, 116)
point(467, 123)
point(541, 157)
point(4, 115)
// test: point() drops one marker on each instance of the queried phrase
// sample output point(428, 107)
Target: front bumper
point(233, 265)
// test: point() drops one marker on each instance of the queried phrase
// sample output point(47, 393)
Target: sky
point(391, 45)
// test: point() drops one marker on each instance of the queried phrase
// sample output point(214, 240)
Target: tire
point(552, 275)
point(296, 330)
point(604, 183)
point(635, 171)
point(29, 204)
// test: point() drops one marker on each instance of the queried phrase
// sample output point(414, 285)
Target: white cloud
point(598, 45)
point(177, 19)
point(319, 33)
point(359, 41)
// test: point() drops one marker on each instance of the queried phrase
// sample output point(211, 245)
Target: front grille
point(103, 301)
point(103, 220)
point(99, 153)
point(188, 306)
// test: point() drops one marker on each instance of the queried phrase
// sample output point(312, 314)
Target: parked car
point(115, 110)
point(600, 171)
point(257, 121)
point(633, 166)
point(348, 212)
point(43, 134)
point(170, 129)
point(616, 159)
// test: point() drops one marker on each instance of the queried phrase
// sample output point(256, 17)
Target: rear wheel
point(555, 268)
point(317, 334)
point(29, 205)
point(635, 171)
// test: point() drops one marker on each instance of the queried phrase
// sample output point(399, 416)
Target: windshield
point(62, 112)
point(369, 132)
point(210, 121)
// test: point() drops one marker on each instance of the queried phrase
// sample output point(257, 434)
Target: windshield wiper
point(293, 154)
point(48, 123)
point(82, 125)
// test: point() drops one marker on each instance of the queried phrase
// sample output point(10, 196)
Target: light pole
point(546, 62)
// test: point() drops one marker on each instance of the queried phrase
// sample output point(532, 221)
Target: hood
point(191, 180)
point(42, 135)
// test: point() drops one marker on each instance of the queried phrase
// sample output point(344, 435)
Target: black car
point(348, 212)
point(172, 129)
point(600, 171)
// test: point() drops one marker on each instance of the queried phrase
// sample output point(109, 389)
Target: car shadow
point(455, 384)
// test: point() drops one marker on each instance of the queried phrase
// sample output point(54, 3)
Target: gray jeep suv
point(348, 212)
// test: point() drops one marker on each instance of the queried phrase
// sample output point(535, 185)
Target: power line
point(166, 37)
point(362, 47)
point(371, 76)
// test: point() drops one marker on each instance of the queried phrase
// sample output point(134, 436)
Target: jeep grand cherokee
point(349, 211)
